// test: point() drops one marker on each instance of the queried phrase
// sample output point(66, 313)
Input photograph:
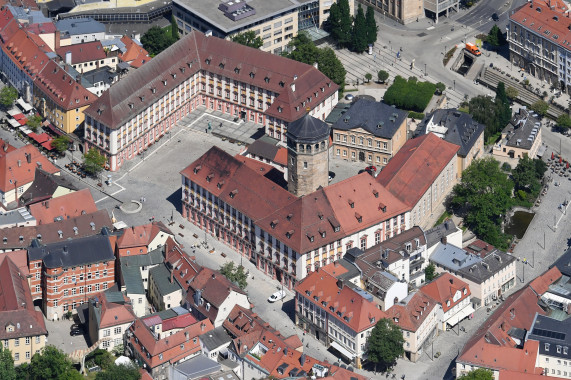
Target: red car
point(371, 168)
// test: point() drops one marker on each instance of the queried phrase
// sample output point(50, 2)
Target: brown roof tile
point(411, 315)
point(135, 54)
point(139, 236)
point(67, 206)
point(85, 52)
point(444, 287)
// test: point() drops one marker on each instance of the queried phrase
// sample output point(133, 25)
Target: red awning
point(54, 129)
point(47, 144)
point(41, 138)
point(19, 116)
point(23, 121)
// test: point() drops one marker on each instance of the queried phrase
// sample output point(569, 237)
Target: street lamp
point(425, 69)
point(454, 81)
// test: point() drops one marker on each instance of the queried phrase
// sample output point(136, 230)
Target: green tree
point(235, 274)
point(61, 143)
point(382, 75)
point(93, 161)
point(512, 93)
point(371, 25)
point(102, 358)
point(248, 38)
point(385, 343)
point(526, 176)
point(7, 370)
point(440, 87)
point(343, 35)
point(478, 374)
point(564, 121)
point(540, 107)
point(303, 49)
point(359, 37)
point(368, 76)
point(540, 168)
point(118, 350)
point(430, 272)
point(52, 363)
point(156, 40)
point(503, 105)
point(123, 372)
point(333, 23)
point(490, 112)
point(495, 37)
point(23, 371)
point(34, 122)
point(331, 67)
point(409, 94)
point(482, 197)
point(174, 29)
point(8, 96)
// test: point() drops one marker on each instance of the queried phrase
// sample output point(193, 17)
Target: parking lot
point(59, 336)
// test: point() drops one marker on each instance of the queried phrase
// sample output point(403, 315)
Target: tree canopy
point(302, 49)
point(526, 177)
point(495, 37)
point(385, 343)
point(34, 122)
point(478, 374)
point(93, 161)
point(493, 113)
point(61, 143)
point(564, 121)
point(430, 272)
point(8, 96)
point(482, 197)
point(7, 370)
point(409, 94)
point(540, 107)
point(371, 24)
point(157, 39)
point(52, 364)
point(382, 76)
point(360, 36)
point(248, 38)
point(512, 93)
point(235, 274)
point(174, 29)
point(123, 372)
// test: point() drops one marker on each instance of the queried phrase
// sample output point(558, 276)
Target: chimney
point(47, 204)
point(202, 326)
point(302, 359)
point(186, 336)
point(213, 276)
point(316, 65)
point(57, 38)
point(38, 163)
point(293, 87)
point(172, 271)
point(5, 147)
point(451, 280)
point(29, 158)
point(68, 57)
point(444, 240)
point(19, 161)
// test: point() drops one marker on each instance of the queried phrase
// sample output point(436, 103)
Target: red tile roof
point(479, 248)
point(255, 165)
point(141, 236)
point(184, 266)
point(541, 284)
point(555, 20)
point(356, 312)
point(113, 314)
point(195, 52)
point(41, 28)
point(492, 347)
point(242, 321)
point(416, 166)
point(57, 84)
point(276, 357)
point(167, 345)
point(178, 322)
point(411, 316)
point(444, 287)
point(514, 375)
point(18, 166)
point(67, 206)
point(334, 269)
point(16, 304)
point(85, 52)
point(135, 54)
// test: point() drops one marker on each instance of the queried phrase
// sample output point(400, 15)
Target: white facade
point(233, 299)
point(451, 316)
point(112, 336)
point(398, 291)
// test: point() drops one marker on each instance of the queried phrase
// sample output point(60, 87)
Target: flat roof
point(208, 11)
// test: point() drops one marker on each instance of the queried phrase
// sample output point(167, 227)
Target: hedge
point(409, 94)
point(416, 115)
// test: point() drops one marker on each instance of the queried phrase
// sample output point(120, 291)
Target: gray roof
point(207, 11)
point(73, 26)
point(197, 367)
point(557, 335)
point(383, 281)
point(215, 338)
point(377, 118)
point(132, 279)
point(70, 253)
point(20, 216)
point(563, 263)
point(102, 74)
point(30, 15)
point(161, 276)
point(352, 254)
point(263, 149)
point(44, 186)
point(156, 256)
point(520, 130)
point(352, 270)
point(339, 110)
point(487, 267)
point(453, 258)
point(435, 234)
point(453, 126)
point(114, 41)
point(308, 129)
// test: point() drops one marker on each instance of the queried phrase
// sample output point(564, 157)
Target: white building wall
point(226, 307)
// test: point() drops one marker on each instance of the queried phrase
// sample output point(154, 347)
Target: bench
point(181, 235)
point(223, 254)
point(212, 251)
point(195, 236)
point(181, 226)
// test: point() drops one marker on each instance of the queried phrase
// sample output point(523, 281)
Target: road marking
point(430, 28)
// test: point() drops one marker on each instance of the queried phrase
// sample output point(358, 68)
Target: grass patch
point(493, 138)
point(409, 94)
point(168, 29)
point(445, 215)
point(350, 90)
point(448, 55)
point(464, 109)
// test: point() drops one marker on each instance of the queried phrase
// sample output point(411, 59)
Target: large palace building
point(202, 70)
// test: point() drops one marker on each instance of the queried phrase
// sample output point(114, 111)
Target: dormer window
point(252, 75)
point(289, 216)
point(280, 109)
point(358, 217)
point(282, 84)
point(207, 60)
point(546, 346)
point(197, 169)
point(131, 105)
point(220, 184)
point(376, 193)
point(310, 237)
point(320, 215)
point(237, 70)
point(233, 193)
point(336, 229)
point(448, 303)
point(351, 203)
point(221, 65)
point(289, 234)
point(465, 291)
point(322, 234)
point(173, 75)
point(396, 319)
point(267, 79)
point(296, 108)
point(273, 224)
point(209, 177)
point(154, 90)
point(164, 82)
point(182, 69)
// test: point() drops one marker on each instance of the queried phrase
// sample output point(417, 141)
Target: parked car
point(75, 326)
point(280, 294)
point(349, 97)
point(495, 17)
point(76, 332)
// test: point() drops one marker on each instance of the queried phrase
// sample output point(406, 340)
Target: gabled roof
point(410, 313)
point(84, 52)
point(415, 167)
point(113, 309)
point(437, 233)
point(242, 321)
point(67, 206)
point(44, 186)
point(195, 52)
point(163, 281)
point(377, 118)
point(453, 126)
point(134, 54)
point(184, 266)
point(141, 236)
point(444, 288)
point(342, 303)
point(18, 166)
point(563, 263)
point(541, 284)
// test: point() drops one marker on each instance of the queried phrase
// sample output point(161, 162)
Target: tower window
point(305, 164)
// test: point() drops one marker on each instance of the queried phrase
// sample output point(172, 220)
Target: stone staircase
point(78, 356)
point(490, 78)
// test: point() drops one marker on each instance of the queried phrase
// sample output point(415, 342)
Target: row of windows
point(27, 341)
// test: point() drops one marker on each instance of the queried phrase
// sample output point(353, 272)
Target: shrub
point(409, 94)
point(416, 115)
point(506, 167)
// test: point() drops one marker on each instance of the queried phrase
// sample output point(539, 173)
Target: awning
point(54, 129)
point(19, 116)
point(25, 130)
point(453, 321)
point(41, 138)
point(47, 144)
point(13, 112)
point(25, 106)
point(342, 350)
point(13, 123)
point(23, 121)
